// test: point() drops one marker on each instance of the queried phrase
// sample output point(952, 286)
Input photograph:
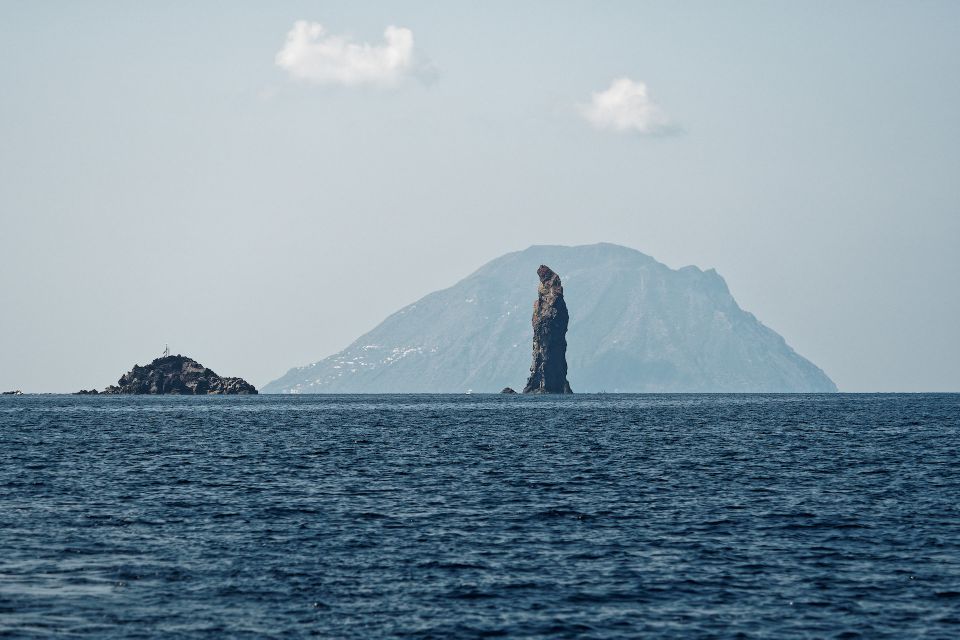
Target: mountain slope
point(635, 326)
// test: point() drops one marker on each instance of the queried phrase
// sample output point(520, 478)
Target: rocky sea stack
point(548, 373)
point(178, 375)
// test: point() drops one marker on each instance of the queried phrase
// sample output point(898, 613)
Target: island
point(175, 375)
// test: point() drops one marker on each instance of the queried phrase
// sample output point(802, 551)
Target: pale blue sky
point(162, 179)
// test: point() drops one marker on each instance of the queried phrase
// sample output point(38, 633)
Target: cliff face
point(548, 372)
point(178, 375)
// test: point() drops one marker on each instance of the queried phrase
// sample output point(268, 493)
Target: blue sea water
point(594, 516)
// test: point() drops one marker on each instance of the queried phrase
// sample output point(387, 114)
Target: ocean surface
point(593, 516)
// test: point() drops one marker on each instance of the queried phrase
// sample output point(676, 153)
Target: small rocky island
point(176, 375)
point(548, 373)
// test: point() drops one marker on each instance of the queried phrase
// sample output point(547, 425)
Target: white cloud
point(626, 108)
point(313, 55)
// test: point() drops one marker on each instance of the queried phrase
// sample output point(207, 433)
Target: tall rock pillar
point(548, 373)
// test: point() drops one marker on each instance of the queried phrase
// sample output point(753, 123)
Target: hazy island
point(635, 325)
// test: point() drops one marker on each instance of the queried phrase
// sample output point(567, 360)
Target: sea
point(469, 516)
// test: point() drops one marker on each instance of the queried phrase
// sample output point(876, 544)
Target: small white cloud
point(626, 108)
point(313, 55)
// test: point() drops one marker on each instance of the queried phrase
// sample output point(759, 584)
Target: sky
point(257, 184)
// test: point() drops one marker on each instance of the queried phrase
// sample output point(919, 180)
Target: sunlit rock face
point(635, 325)
point(548, 372)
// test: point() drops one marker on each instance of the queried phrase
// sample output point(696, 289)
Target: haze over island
point(258, 185)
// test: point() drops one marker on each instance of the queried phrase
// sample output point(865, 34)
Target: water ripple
point(481, 516)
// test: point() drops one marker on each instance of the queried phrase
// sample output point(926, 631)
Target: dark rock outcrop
point(178, 375)
point(548, 373)
point(87, 392)
point(15, 392)
point(508, 391)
